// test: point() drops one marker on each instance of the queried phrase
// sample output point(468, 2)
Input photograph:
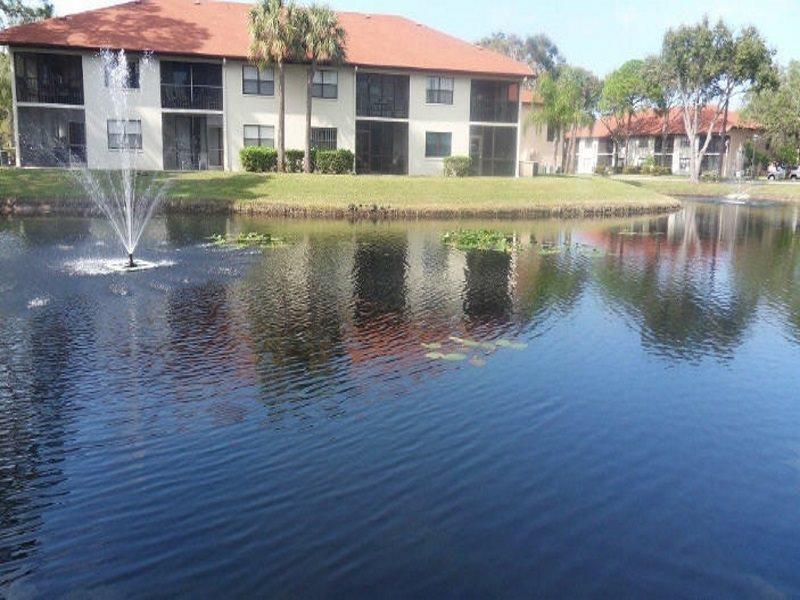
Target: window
point(323, 138)
point(325, 84)
point(437, 144)
point(494, 101)
point(258, 81)
point(259, 135)
point(642, 142)
point(124, 135)
point(685, 142)
point(551, 132)
point(132, 77)
point(440, 90)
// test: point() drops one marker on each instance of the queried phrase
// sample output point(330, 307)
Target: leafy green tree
point(659, 88)
point(14, 12)
point(709, 66)
point(323, 41)
point(538, 51)
point(747, 64)
point(6, 105)
point(568, 101)
point(777, 110)
point(625, 92)
point(276, 38)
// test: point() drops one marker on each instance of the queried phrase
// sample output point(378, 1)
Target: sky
point(596, 35)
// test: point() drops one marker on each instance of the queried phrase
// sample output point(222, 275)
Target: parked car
point(776, 172)
point(795, 173)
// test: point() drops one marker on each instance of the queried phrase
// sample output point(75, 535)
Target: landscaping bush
point(258, 159)
point(631, 170)
point(337, 162)
point(457, 166)
point(601, 170)
point(709, 176)
point(294, 160)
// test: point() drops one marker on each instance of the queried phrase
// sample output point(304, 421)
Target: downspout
point(519, 125)
point(226, 165)
point(14, 111)
point(355, 113)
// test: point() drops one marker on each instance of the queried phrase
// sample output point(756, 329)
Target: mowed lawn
point(761, 189)
point(342, 192)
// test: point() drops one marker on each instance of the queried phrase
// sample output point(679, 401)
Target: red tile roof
point(220, 29)
point(648, 123)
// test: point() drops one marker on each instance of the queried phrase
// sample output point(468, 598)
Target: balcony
point(191, 86)
point(494, 102)
point(48, 78)
point(383, 96)
point(194, 97)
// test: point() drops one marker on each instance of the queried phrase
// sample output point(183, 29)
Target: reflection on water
point(268, 422)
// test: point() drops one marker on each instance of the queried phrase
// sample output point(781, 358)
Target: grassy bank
point(782, 191)
point(343, 195)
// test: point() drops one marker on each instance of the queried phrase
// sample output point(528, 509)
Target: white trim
point(47, 104)
point(226, 159)
point(15, 112)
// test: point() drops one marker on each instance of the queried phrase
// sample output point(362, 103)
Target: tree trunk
point(723, 153)
point(281, 115)
point(309, 95)
point(555, 151)
point(664, 134)
point(572, 149)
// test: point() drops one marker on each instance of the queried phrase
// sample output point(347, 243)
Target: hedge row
point(457, 166)
point(258, 159)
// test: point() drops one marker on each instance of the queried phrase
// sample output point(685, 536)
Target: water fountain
point(126, 196)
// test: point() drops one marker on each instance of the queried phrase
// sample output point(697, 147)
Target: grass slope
point(331, 194)
point(783, 191)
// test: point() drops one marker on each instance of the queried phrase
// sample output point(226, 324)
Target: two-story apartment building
point(665, 142)
point(406, 96)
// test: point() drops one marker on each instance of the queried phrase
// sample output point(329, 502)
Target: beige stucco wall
point(424, 117)
point(142, 104)
point(534, 146)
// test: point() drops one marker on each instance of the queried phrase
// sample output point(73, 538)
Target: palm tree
point(323, 41)
point(275, 39)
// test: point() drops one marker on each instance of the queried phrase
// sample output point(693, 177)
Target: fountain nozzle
point(131, 264)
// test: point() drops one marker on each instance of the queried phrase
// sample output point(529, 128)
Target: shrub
point(457, 166)
point(294, 160)
point(709, 176)
point(631, 170)
point(337, 162)
point(601, 170)
point(258, 159)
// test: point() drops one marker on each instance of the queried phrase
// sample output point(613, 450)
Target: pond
point(612, 407)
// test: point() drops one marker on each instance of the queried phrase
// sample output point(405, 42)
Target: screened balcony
point(494, 101)
point(383, 96)
point(51, 137)
point(192, 86)
point(48, 78)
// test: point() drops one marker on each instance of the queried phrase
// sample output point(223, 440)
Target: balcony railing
point(194, 97)
point(31, 90)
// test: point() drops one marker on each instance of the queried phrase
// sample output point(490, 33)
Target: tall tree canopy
point(568, 102)
point(709, 65)
point(276, 30)
point(626, 91)
point(14, 12)
point(778, 109)
point(323, 40)
point(538, 51)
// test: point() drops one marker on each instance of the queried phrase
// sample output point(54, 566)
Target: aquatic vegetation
point(480, 239)
point(472, 343)
point(640, 233)
point(450, 356)
point(511, 345)
point(249, 239)
point(431, 346)
point(548, 249)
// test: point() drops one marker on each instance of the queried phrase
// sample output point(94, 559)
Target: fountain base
point(108, 266)
point(131, 264)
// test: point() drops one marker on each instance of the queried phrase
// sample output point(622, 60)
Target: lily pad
point(431, 346)
point(450, 356)
point(472, 343)
point(511, 345)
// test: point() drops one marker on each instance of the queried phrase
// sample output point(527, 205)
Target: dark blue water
point(267, 423)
